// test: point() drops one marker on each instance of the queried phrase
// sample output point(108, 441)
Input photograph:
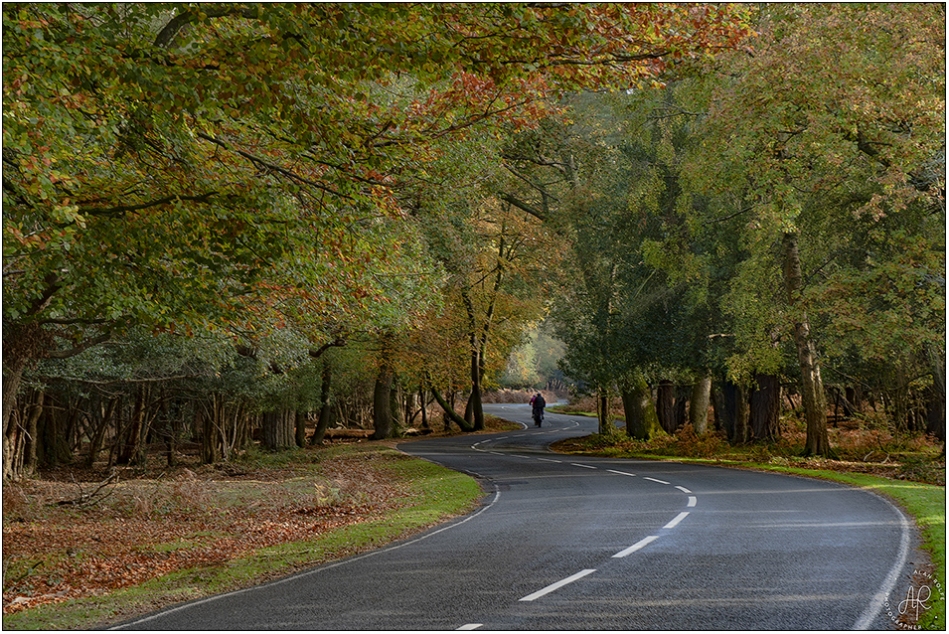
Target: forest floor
point(83, 547)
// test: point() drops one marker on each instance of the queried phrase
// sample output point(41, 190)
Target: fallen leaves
point(151, 527)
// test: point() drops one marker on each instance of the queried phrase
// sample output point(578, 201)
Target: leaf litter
point(185, 518)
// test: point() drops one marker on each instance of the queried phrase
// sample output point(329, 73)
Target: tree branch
point(177, 23)
point(122, 209)
point(339, 343)
point(520, 204)
point(65, 354)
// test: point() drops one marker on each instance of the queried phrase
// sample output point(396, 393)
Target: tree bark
point(30, 459)
point(395, 409)
point(681, 401)
point(766, 408)
point(300, 428)
point(450, 413)
point(279, 430)
point(816, 442)
point(698, 412)
point(665, 405)
point(642, 422)
point(603, 411)
point(737, 412)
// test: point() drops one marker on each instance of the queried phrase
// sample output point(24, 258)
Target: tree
point(238, 168)
point(823, 153)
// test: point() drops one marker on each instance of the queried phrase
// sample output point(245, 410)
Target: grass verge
point(431, 494)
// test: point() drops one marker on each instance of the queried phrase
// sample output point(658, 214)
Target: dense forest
point(226, 224)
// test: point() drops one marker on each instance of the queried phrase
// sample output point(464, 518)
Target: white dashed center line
point(469, 626)
point(678, 518)
point(632, 475)
point(654, 480)
point(640, 544)
point(585, 466)
point(559, 584)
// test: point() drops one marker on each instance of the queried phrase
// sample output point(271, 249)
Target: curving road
point(586, 543)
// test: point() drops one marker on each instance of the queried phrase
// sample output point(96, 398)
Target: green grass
point(436, 493)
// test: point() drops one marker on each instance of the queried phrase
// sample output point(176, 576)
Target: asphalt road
point(583, 543)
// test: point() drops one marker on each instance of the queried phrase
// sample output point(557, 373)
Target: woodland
point(229, 226)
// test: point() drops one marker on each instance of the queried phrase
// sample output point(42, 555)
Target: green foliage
point(795, 142)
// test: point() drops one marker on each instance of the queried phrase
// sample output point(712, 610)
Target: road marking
point(549, 460)
point(501, 438)
point(496, 453)
point(880, 598)
point(678, 518)
point(683, 489)
point(654, 480)
point(632, 475)
point(692, 500)
point(559, 584)
point(469, 626)
point(585, 466)
point(642, 543)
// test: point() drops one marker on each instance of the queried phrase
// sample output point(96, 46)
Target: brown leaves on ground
point(858, 450)
point(148, 527)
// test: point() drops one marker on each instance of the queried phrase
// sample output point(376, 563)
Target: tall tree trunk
point(665, 405)
point(742, 413)
point(30, 460)
point(300, 428)
point(605, 425)
point(698, 411)
point(642, 422)
point(816, 442)
point(477, 413)
point(681, 401)
point(133, 450)
point(766, 407)
point(737, 413)
point(279, 430)
point(395, 408)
